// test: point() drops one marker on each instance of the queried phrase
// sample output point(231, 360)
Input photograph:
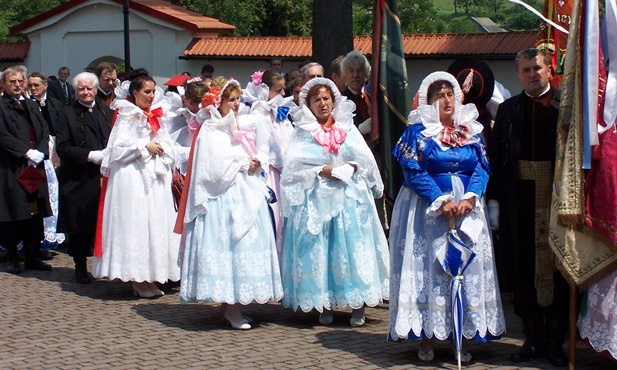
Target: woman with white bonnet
point(445, 176)
point(335, 254)
point(229, 252)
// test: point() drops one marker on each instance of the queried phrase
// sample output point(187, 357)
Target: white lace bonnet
point(320, 81)
point(438, 76)
point(231, 81)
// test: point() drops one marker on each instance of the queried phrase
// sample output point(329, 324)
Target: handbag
point(177, 184)
point(30, 179)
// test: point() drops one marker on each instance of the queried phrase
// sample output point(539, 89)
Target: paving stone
point(48, 321)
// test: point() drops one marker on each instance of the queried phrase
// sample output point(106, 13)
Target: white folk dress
point(597, 322)
point(182, 128)
point(420, 300)
point(273, 136)
point(229, 253)
point(138, 218)
point(335, 253)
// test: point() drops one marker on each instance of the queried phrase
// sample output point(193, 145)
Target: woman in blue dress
point(445, 175)
point(229, 252)
point(335, 254)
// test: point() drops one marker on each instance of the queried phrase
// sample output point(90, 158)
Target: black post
point(332, 31)
point(127, 44)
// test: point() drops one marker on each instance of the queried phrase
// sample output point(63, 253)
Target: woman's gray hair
point(356, 58)
point(85, 76)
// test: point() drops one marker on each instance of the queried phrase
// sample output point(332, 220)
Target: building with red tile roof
point(167, 39)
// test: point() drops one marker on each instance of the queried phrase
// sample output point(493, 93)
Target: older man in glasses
point(24, 198)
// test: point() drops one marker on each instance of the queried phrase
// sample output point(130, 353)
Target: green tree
point(420, 16)
point(362, 12)
point(295, 17)
point(288, 18)
point(246, 15)
point(16, 11)
point(519, 19)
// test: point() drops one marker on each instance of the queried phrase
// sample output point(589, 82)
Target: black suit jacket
point(54, 90)
point(54, 108)
point(504, 153)
point(79, 132)
point(15, 141)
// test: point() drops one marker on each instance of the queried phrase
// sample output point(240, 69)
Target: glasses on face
point(13, 82)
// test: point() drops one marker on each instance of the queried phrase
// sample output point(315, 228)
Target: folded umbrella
point(454, 257)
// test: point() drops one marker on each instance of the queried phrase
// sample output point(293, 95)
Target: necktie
point(65, 88)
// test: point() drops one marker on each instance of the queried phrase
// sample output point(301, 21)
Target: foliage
point(362, 13)
point(419, 16)
point(520, 19)
point(295, 17)
point(258, 17)
point(246, 15)
point(16, 11)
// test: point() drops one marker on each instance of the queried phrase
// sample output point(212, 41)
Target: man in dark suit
point(108, 77)
point(522, 155)
point(61, 89)
point(356, 69)
point(50, 107)
point(24, 140)
point(81, 135)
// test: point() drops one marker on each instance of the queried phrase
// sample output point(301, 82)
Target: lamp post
point(127, 45)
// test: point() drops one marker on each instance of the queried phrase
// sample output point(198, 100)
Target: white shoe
point(465, 356)
point(235, 319)
point(326, 317)
point(154, 289)
point(142, 290)
point(426, 352)
point(357, 317)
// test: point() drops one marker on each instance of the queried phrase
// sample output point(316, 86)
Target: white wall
point(97, 29)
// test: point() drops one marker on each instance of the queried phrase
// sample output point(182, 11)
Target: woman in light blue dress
point(445, 175)
point(335, 254)
point(229, 252)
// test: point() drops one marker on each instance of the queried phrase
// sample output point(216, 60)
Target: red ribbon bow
point(455, 137)
point(153, 118)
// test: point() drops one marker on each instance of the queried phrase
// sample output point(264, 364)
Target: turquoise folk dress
point(229, 252)
point(434, 172)
point(335, 253)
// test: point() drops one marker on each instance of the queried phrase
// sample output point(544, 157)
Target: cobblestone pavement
point(48, 321)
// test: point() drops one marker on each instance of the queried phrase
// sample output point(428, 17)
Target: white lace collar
point(428, 116)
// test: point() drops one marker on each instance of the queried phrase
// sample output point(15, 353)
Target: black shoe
point(13, 267)
point(37, 265)
point(526, 352)
point(46, 255)
point(556, 356)
point(81, 274)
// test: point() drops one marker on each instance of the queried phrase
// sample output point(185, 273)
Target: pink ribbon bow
point(331, 138)
point(192, 126)
point(247, 140)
